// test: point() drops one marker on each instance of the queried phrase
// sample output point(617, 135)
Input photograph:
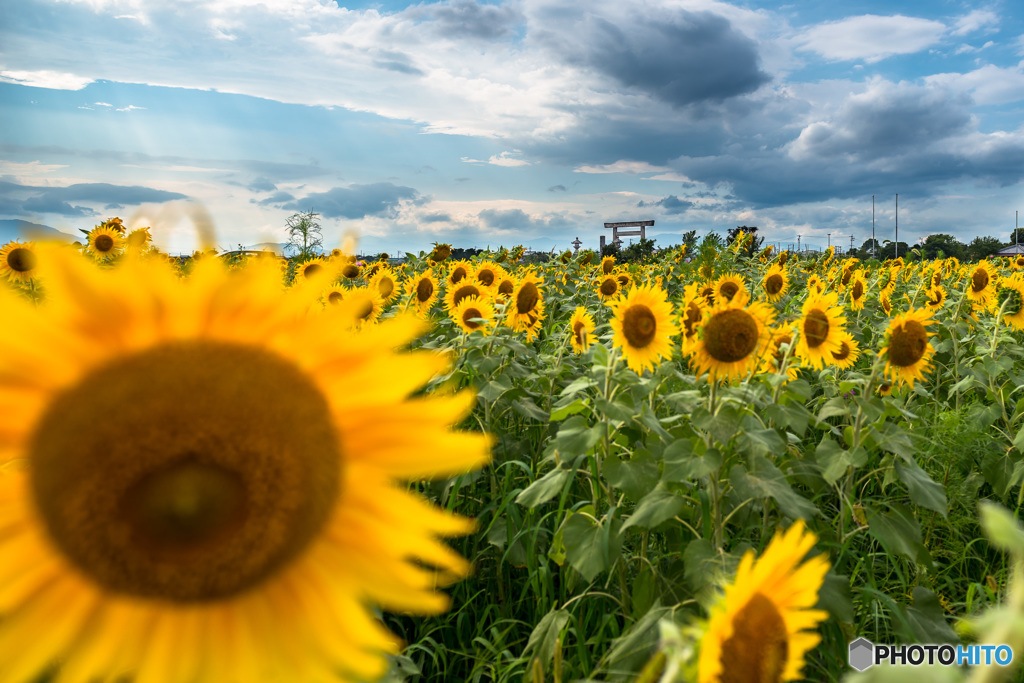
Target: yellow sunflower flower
point(820, 327)
point(643, 327)
point(466, 289)
point(458, 271)
point(607, 265)
point(848, 353)
point(608, 288)
point(884, 298)
point(907, 351)
point(776, 282)
point(487, 273)
point(351, 271)
point(935, 297)
point(730, 286)
point(982, 283)
point(690, 318)
point(526, 306)
point(504, 286)
point(581, 330)
point(313, 268)
point(422, 291)
point(774, 355)
point(385, 281)
point(1012, 288)
point(333, 295)
point(246, 507)
point(733, 337)
point(362, 306)
point(104, 243)
point(763, 626)
point(18, 261)
point(469, 313)
point(858, 293)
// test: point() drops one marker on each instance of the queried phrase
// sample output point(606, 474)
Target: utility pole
point(829, 239)
point(872, 226)
point(897, 243)
point(851, 243)
point(798, 243)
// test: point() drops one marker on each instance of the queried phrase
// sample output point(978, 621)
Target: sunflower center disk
point(469, 316)
point(609, 286)
point(639, 326)
point(815, 328)
point(728, 290)
point(580, 332)
point(908, 344)
point(464, 292)
point(979, 281)
point(773, 285)
point(188, 472)
point(424, 290)
point(730, 336)
point(104, 243)
point(486, 277)
point(312, 269)
point(527, 298)
point(21, 260)
point(759, 647)
point(335, 298)
point(858, 290)
point(843, 353)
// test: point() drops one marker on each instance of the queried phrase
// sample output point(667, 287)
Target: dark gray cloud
point(279, 197)
point(676, 56)
point(467, 19)
point(44, 205)
point(520, 221)
point(357, 201)
point(557, 188)
point(671, 204)
point(65, 200)
point(262, 184)
point(399, 67)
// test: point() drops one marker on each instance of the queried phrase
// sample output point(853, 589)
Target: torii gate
point(617, 231)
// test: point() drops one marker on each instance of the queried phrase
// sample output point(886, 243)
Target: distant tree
point(690, 240)
point(1019, 234)
point(465, 254)
point(890, 251)
point(611, 249)
point(638, 252)
point(982, 247)
point(753, 242)
point(865, 251)
point(304, 234)
point(943, 246)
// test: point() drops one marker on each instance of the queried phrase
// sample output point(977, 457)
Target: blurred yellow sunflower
point(886, 302)
point(333, 295)
point(733, 337)
point(907, 351)
point(775, 355)
point(351, 271)
point(18, 261)
point(362, 306)
point(815, 285)
point(138, 241)
point(104, 243)
point(858, 293)
point(935, 297)
point(624, 279)
point(763, 626)
point(422, 291)
point(643, 327)
point(244, 510)
point(820, 327)
point(581, 330)
point(474, 314)
point(466, 289)
point(458, 271)
point(776, 282)
point(607, 265)
point(315, 267)
point(690, 318)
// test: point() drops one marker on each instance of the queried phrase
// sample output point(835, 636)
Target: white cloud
point(55, 80)
point(988, 85)
point(103, 104)
point(27, 173)
point(974, 21)
point(623, 166)
point(130, 107)
point(871, 37)
point(504, 159)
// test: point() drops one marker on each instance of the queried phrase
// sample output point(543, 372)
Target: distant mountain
point(13, 229)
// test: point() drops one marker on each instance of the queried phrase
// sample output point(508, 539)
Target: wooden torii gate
point(637, 228)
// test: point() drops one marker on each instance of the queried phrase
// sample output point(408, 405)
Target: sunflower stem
point(995, 332)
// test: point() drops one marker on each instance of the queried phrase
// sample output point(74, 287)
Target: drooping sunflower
point(763, 626)
point(104, 243)
point(858, 293)
point(466, 289)
point(815, 285)
point(18, 261)
point(690, 318)
point(729, 287)
point(625, 279)
point(525, 309)
point(138, 241)
point(848, 353)
point(474, 314)
point(775, 355)
point(245, 508)
point(1018, 262)
point(608, 287)
point(907, 351)
point(581, 330)
point(607, 265)
point(643, 327)
point(1011, 292)
point(733, 337)
point(820, 327)
point(982, 284)
point(504, 286)
point(422, 291)
point(776, 282)
point(884, 298)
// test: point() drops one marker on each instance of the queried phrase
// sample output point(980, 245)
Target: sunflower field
point(704, 467)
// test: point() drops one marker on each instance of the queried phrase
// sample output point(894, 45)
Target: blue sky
point(527, 121)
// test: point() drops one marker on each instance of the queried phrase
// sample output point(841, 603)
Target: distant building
point(1012, 250)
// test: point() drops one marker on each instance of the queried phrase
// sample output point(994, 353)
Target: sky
point(512, 122)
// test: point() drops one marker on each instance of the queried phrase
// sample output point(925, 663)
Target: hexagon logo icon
point(862, 654)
